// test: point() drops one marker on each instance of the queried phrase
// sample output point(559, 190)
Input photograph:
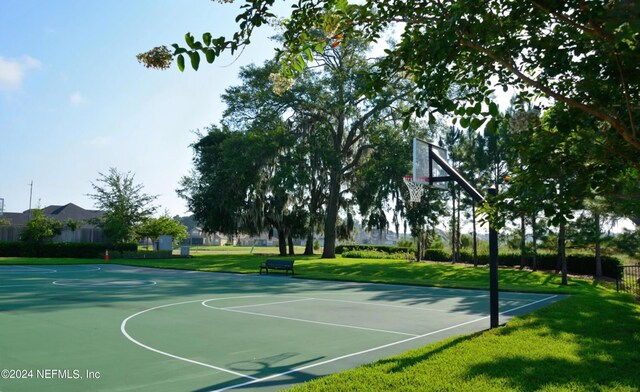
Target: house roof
point(61, 213)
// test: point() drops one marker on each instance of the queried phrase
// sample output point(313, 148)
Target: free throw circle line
point(123, 330)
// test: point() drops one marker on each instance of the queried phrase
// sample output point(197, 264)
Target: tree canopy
point(451, 59)
point(583, 54)
point(155, 227)
point(124, 203)
point(40, 228)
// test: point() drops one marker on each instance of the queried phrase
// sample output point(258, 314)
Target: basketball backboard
point(425, 170)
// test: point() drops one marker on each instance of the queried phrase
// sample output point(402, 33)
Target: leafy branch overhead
point(583, 54)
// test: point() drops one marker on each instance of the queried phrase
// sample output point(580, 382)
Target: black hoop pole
point(494, 307)
point(493, 272)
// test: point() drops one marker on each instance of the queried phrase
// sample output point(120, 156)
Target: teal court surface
point(121, 328)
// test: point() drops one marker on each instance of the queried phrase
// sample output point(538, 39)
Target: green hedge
point(577, 264)
point(78, 250)
point(437, 255)
point(376, 254)
point(389, 249)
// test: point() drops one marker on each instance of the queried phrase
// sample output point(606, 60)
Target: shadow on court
point(269, 366)
point(203, 331)
point(29, 291)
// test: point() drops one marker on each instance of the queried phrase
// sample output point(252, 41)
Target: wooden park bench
point(277, 264)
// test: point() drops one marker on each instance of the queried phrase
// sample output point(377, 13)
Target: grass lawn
point(587, 342)
point(261, 250)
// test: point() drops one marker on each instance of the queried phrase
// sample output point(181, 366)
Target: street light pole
point(30, 194)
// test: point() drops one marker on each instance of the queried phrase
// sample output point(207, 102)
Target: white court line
point(502, 298)
point(23, 269)
point(124, 332)
point(89, 283)
point(71, 268)
point(533, 303)
point(409, 307)
point(371, 349)
point(266, 304)
point(307, 321)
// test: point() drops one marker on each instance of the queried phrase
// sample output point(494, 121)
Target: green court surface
point(121, 328)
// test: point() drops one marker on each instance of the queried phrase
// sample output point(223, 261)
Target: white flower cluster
point(281, 84)
point(524, 120)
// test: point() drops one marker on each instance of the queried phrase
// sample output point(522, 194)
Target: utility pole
point(30, 195)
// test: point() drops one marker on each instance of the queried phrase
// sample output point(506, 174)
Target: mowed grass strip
point(583, 343)
point(382, 271)
point(587, 342)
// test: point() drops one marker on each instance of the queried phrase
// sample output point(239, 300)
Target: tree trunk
point(282, 241)
point(596, 217)
point(292, 251)
point(397, 231)
point(534, 256)
point(329, 251)
point(475, 236)
point(308, 248)
point(405, 230)
point(562, 257)
point(419, 246)
point(523, 243)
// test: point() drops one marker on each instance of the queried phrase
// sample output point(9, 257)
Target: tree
point(583, 54)
point(223, 183)
point(560, 168)
point(628, 242)
point(352, 120)
point(40, 228)
point(155, 227)
point(377, 185)
point(311, 154)
point(300, 166)
point(124, 204)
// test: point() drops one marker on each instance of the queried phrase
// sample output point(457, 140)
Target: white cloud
point(77, 98)
point(13, 71)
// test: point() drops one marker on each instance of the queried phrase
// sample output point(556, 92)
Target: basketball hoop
point(415, 189)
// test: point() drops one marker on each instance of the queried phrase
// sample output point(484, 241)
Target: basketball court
point(121, 328)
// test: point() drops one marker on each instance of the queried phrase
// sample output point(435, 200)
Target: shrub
point(81, 250)
point(437, 255)
point(374, 254)
point(146, 254)
point(577, 264)
point(389, 249)
point(404, 243)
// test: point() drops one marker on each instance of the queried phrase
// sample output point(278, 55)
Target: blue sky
point(74, 101)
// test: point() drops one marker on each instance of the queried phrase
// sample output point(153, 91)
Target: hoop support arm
point(475, 195)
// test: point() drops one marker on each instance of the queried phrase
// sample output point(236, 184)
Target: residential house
point(86, 231)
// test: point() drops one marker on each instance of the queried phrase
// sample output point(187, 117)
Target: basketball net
point(415, 189)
